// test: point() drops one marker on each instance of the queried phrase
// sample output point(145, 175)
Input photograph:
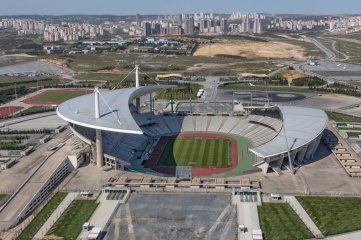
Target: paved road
point(335, 49)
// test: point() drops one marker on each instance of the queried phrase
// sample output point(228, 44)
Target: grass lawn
point(58, 96)
point(246, 86)
point(70, 223)
point(196, 152)
point(339, 117)
point(2, 198)
point(333, 215)
point(41, 218)
point(280, 222)
point(35, 109)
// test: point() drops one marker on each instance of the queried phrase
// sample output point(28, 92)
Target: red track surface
point(31, 100)
point(196, 171)
point(6, 111)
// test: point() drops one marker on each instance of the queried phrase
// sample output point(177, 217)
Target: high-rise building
point(138, 19)
point(189, 26)
point(147, 29)
point(224, 26)
point(257, 25)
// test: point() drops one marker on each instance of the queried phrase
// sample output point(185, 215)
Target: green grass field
point(333, 215)
point(280, 222)
point(70, 223)
point(196, 153)
point(30, 231)
point(58, 96)
point(339, 117)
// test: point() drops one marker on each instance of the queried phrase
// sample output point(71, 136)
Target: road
point(335, 49)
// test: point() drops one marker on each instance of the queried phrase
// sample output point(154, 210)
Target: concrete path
point(347, 236)
point(248, 216)
point(102, 214)
point(55, 216)
point(292, 201)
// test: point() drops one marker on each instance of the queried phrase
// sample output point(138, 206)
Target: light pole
point(16, 96)
point(215, 105)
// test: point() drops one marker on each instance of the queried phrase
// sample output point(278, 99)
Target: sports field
point(58, 96)
point(196, 152)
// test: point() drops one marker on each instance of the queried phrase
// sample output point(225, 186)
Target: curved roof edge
point(301, 126)
point(115, 115)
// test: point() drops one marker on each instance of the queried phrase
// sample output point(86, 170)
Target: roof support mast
point(99, 139)
point(137, 100)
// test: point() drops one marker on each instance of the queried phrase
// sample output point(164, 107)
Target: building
point(189, 26)
point(224, 26)
point(147, 29)
point(138, 19)
point(170, 77)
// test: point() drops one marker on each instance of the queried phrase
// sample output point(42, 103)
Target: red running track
point(7, 111)
point(196, 171)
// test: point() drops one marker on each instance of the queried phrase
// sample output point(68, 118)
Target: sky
point(130, 7)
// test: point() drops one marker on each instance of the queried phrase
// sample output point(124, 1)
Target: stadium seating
point(257, 128)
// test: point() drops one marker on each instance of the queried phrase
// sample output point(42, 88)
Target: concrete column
point(99, 148)
point(136, 75)
point(309, 150)
point(318, 140)
point(97, 111)
point(137, 104)
point(301, 154)
point(265, 167)
point(280, 160)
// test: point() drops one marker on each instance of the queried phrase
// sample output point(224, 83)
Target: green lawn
point(196, 153)
point(58, 96)
point(2, 198)
point(339, 117)
point(280, 222)
point(333, 215)
point(70, 223)
point(246, 86)
point(41, 218)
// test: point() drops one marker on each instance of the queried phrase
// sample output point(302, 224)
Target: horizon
point(171, 7)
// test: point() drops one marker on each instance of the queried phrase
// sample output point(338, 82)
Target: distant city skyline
point(161, 7)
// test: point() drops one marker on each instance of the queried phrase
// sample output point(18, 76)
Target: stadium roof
point(302, 125)
point(115, 114)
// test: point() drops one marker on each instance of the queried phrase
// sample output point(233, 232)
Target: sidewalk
point(292, 201)
point(56, 214)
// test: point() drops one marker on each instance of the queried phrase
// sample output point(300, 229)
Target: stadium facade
point(112, 124)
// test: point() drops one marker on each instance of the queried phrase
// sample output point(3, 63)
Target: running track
point(196, 171)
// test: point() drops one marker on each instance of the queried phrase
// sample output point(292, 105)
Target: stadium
point(123, 135)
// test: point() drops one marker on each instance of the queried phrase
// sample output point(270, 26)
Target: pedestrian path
point(55, 216)
point(292, 201)
point(102, 214)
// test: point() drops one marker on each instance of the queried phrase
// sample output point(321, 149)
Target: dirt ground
point(252, 50)
point(291, 74)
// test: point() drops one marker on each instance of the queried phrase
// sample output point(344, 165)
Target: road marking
point(129, 220)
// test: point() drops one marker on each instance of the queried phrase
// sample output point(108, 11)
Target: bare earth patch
point(252, 50)
point(291, 74)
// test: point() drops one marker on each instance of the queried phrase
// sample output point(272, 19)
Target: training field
point(196, 152)
point(57, 96)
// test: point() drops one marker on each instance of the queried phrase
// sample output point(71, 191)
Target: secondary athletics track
point(7, 111)
point(196, 171)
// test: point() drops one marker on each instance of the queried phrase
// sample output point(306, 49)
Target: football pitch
point(196, 153)
point(58, 96)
